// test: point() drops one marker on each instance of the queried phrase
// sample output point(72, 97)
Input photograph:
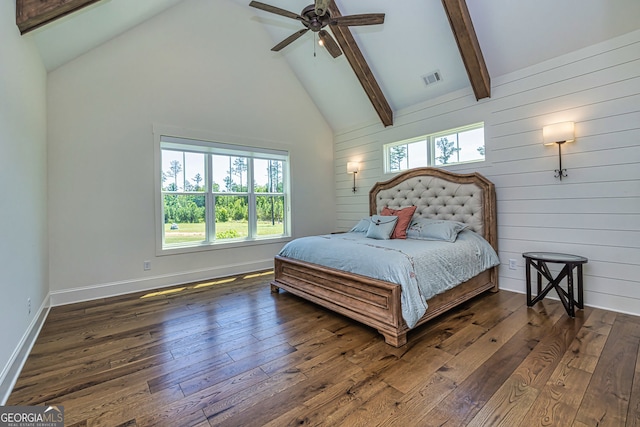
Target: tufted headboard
point(439, 194)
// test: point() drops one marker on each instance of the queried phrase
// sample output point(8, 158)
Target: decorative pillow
point(435, 229)
point(404, 219)
point(381, 227)
point(362, 226)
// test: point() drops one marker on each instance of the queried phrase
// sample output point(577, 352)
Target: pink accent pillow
point(404, 219)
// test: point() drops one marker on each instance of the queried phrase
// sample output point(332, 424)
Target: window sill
point(447, 166)
point(222, 245)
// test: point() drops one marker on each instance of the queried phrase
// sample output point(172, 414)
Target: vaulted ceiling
point(418, 37)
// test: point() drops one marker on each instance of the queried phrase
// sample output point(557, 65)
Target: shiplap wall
point(594, 212)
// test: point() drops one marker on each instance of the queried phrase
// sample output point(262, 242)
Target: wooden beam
point(32, 14)
point(353, 54)
point(469, 47)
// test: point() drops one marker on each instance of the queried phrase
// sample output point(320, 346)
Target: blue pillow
point(434, 229)
point(381, 227)
point(362, 226)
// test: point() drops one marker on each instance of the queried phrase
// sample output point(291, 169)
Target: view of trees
point(183, 209)
point(397, 154)
point(190, 208)
point(446, 148)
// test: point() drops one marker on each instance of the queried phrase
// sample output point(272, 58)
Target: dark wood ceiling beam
point(465, 36)
point(32, 14)
point(360, 67)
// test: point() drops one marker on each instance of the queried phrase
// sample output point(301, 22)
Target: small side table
point(539, 260)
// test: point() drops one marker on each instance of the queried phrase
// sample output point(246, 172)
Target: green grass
point(188, 232)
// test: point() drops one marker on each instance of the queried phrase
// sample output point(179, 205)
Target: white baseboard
point(106, 290)
point(12, 370)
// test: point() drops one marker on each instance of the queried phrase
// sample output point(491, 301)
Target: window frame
point(197, 142)
point(430, 140)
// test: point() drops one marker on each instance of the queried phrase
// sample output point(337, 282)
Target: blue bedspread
point(422, 268)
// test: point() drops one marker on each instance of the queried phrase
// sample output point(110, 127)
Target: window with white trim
point(215, 193)
point(449, 147)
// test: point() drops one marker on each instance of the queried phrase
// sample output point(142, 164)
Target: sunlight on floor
point(159, 293)
point(204, 284)
point(251, 276)
point(217, 282)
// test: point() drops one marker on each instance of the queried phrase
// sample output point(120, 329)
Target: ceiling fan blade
point(286, 42)
point(276, 10)
point(363, 19)
point(329, 43)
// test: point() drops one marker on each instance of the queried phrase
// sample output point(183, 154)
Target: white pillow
point(362, 226)
point(434, 229)
point(381, 227)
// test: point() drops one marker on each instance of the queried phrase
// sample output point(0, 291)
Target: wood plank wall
point(594, 212)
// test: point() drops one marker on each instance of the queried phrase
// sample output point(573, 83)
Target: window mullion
point(210, 201)
point(184, 172)
point(431, 150)
point(253, 216)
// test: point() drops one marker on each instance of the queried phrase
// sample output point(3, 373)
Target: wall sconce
point(558, 133)
point(354, 168)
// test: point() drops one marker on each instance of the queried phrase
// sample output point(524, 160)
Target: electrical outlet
point(146, 265)
point(28, 305)
point(512, 264)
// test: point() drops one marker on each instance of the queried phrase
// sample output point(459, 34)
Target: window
point(461, 145)
point(213, 193)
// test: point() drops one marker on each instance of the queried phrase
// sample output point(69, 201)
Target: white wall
point(594, 212)
point(23, 201)
point(191, 67)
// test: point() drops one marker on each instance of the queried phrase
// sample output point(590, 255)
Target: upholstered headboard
point(439, 194)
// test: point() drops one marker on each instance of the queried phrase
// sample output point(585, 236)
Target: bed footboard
point(370, 301)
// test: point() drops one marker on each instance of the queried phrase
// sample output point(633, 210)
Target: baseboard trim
point(12, 370)
point(106, 290)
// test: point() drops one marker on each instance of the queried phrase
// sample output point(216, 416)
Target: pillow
point(435, 229)
point(404, 219)
point(381, 227)
point(362, 226)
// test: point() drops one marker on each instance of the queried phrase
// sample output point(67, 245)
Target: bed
point(438, 195)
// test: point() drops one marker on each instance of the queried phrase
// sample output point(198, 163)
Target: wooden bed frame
point(438, 194)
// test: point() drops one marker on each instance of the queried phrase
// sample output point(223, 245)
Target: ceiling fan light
point(321, 42)
point(321, 6)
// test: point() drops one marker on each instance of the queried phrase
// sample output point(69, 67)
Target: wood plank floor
point(228, 352)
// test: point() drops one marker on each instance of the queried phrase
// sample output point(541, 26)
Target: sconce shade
point(558, 133)
point(354, 168)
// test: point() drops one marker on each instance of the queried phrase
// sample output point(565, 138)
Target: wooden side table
point(539, 260)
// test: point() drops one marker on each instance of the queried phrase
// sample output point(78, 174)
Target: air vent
point(432, 78)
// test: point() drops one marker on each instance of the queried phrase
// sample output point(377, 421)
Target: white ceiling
point(414, 40)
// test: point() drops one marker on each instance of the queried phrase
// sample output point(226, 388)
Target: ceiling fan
point(316, 17)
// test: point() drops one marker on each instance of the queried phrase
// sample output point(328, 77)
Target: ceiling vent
point(432, 78)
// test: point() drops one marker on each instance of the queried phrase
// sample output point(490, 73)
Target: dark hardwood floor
point(228, 352)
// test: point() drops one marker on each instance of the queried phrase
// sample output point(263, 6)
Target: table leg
point(580, 290)
point(539, 280)
point(528, 273)
point(543, 271)
point(570, 308)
